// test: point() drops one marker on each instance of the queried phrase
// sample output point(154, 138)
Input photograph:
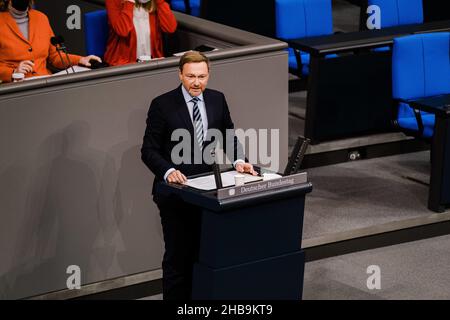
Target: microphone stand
point(61, 58)
point(64, 49)
point(216, 170)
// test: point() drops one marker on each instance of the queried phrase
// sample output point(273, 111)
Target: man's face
point(194, 77)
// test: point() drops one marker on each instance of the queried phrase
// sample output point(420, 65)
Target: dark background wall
point(57, 14)
point(254, 16)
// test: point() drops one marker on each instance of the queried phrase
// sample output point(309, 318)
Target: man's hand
point(245, 167)
point(176, 177)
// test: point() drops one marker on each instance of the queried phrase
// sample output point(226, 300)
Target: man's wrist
point(238, 161)
point(168, 172)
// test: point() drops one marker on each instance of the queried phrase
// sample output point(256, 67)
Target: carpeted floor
point(414, 270)
point(365, 193)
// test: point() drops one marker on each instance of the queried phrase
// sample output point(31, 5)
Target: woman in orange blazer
point(136, 28)
point(30, 50)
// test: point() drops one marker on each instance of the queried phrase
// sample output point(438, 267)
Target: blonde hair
point(192, 57)
point(4, 5)
point(149, 6)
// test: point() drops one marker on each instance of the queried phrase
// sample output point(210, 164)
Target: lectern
point(250, 245)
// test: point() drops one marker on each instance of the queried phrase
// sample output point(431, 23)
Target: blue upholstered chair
point(301, 19)
point(399, 12)
point(180, 5)
point(420, 68)
point(96, 31)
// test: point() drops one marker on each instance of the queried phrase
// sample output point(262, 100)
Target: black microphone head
point(56, 40)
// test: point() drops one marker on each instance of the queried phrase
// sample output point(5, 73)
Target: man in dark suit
point(196, 109)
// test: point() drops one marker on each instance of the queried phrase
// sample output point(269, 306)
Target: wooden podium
point(250, 245)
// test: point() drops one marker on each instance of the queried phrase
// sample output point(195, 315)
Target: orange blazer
point(122, 40)
point(14, 48)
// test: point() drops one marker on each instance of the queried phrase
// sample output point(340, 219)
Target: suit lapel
point(13, 26)
point(31, 25)
point(209, 108)
point(182, 111)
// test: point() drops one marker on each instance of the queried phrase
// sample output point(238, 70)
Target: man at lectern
point(195, 109)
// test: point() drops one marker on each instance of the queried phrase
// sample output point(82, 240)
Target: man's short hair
point(193, 57)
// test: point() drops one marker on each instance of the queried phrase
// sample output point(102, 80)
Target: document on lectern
point(208, 183)
point(60, 73)
point(76, 69)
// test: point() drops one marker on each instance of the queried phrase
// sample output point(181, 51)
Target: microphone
point(58, 42)
point(55, 41)
point(216, 170)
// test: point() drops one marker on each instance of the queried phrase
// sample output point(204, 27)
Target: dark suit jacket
point(169, 112)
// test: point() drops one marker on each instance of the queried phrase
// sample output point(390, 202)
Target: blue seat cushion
point(293, 61)
point(411, 124)
point(305, 60)
point(303, 18)
point(399, 12)
point(420, 68)
point(407, 120)
point(382, 49)
point(97, 30)
point(178, 5)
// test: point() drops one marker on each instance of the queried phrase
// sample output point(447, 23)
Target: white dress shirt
point(201, 107)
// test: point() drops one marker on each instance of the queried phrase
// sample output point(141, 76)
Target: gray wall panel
point(73, 189)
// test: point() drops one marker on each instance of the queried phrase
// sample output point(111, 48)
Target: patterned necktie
point(198, 124)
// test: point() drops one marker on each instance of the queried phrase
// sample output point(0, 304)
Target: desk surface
point(439, 105)
point(363, 39)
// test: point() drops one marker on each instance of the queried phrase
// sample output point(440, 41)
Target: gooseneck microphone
point(216, 170)
point(58, 42)
point(55, 42)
